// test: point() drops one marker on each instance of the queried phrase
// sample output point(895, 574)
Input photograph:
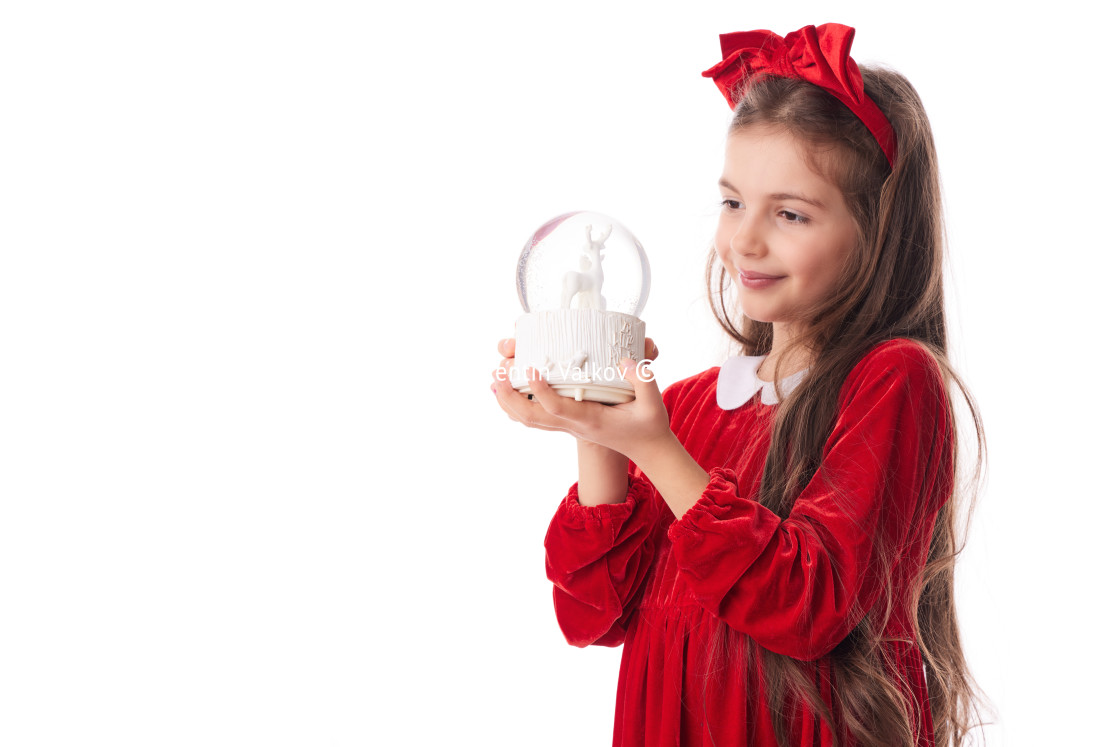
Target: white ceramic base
point(580, 350)
point(607, 395)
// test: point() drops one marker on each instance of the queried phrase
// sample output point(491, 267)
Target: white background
point(254, 489)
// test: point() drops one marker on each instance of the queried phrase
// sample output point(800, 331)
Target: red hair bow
point(817, 54)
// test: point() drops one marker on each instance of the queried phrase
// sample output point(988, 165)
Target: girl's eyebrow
point(780, 195)
point(802, 198)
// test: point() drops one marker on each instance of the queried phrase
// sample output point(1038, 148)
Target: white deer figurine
point(587, 284)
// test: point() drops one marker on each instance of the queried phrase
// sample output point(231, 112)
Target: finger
point(506, 347)
point(503, 369)
point(583, 416)
point(519, 408)
point(641, 377)
point(651, 348)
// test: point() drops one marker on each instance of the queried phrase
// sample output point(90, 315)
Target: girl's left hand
point(634, 428)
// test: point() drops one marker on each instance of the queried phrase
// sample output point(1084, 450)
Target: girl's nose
point(748, 238)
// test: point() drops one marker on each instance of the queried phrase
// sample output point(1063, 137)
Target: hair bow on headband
point(817, 54)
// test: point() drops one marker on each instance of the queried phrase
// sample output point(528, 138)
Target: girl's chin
point(757, 314)
point(761, 315)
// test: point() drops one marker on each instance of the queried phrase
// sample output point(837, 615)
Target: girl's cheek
point(723, 240)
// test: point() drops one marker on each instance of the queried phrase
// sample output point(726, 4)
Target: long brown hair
point(890, 288)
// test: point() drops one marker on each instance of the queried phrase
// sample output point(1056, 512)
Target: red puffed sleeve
point(793, 585)
point(598, 557)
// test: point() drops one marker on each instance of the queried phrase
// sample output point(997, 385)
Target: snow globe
point(583, 280)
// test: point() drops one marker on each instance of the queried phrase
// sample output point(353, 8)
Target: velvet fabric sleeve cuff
point(598, 559)
point(589, 532)
point(721, 535)
point(720, 500)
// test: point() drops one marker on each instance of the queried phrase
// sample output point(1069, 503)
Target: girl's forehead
point(768, 145)
point(767, 154)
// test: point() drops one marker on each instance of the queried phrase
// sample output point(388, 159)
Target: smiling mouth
point(756, 281)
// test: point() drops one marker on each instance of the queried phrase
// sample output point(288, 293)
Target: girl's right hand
point(603, 472)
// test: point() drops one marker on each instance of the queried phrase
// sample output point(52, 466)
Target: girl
point(773, 540)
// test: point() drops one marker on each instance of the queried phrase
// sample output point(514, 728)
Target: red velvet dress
point(632, 573)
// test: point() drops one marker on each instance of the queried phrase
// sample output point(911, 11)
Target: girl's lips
point(757, 281)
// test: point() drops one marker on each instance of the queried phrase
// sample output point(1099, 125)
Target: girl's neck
point(796, 357)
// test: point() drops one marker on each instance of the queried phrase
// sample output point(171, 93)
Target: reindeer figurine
point(587, 284)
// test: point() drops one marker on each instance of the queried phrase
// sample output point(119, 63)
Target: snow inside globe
point(582, 279)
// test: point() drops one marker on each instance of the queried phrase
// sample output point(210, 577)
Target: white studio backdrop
point(254, 261)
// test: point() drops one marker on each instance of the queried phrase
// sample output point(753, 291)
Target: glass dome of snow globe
point(582, 279)
point(563, 258)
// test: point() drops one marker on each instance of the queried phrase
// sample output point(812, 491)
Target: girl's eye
point(731, 204)
point(792, 217)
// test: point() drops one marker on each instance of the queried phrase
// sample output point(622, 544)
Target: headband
point(817, 54)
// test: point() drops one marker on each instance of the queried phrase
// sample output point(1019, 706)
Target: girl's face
point(784, 230)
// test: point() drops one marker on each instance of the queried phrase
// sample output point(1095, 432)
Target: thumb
point(641, 377)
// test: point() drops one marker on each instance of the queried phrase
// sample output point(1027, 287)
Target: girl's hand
point(633, 429)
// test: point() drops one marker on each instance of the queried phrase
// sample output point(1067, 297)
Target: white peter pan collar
point(738, 382)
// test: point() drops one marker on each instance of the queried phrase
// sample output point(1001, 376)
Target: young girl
point(773, 540)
